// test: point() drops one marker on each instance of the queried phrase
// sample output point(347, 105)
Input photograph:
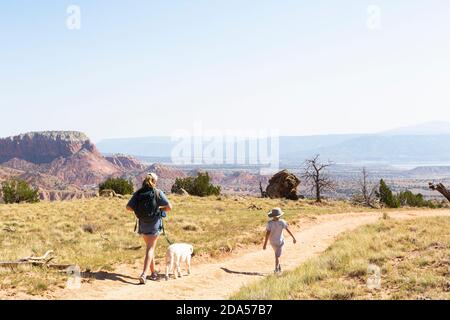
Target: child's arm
point(266, 239)
point(289, 231)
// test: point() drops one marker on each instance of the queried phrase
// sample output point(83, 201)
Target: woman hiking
point(150, 205)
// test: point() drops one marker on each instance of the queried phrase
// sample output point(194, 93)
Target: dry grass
point(97, 234)
point(413, 256)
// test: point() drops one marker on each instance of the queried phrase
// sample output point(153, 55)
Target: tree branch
point(441, 189)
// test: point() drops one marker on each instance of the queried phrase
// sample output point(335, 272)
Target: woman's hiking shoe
point(154, 276)
point(142, 279)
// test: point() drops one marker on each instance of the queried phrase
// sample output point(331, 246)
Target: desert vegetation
point(199, 186)
point(19, 191)
point(315, 175)
point(403, 198)
point(118, 185)
point(367, 191)
point(98, 234)
point(386, 196)
point(374, 195)
point(412, 256)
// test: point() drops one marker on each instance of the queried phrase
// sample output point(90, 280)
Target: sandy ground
point(220, 279)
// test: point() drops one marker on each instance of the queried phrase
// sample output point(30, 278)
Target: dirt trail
point(218, 280)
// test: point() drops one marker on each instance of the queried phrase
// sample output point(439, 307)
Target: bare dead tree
point(367, 191)
point(315, 175)
point(263, 193)
point(441, 189)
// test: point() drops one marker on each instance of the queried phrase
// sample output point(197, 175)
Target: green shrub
point(386, 196)
point(119, 185)
point(19, 191)
point(407, 198)
point(183, 183)
point(404, 198)
point(199, 186)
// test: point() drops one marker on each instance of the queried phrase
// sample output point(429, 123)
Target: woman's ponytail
point(149, 182)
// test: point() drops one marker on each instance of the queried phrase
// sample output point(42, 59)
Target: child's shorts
point(278, 249)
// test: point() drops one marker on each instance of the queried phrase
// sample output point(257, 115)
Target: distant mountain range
point(66, 165)
point(382, 148)
point(427, 128)
point(427, 142)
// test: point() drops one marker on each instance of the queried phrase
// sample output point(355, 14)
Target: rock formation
point(66, 165)
point(19, 164)
point(166, 176)
point(62, 165)
point(55, 195)
point(283, 185)
point(82, 169)
point(182, 192)
point(8, 173)
point(108, 193)
point(126, 162)
point(44, 147)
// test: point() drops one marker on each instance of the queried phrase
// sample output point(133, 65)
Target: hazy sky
point(147, 68)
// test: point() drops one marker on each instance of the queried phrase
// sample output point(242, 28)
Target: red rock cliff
point(44, 147)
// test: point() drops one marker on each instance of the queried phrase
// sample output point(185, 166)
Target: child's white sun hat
point(276, 212)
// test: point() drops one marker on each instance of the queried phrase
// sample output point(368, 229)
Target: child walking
point(274, 232)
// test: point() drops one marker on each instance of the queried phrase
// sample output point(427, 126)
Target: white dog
point(176, 254)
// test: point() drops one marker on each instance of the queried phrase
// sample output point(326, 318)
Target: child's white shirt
point(276, 231)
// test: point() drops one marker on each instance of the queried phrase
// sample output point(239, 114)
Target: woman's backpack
point(146, 204)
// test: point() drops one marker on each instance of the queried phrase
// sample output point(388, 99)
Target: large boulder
point(283, 185)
